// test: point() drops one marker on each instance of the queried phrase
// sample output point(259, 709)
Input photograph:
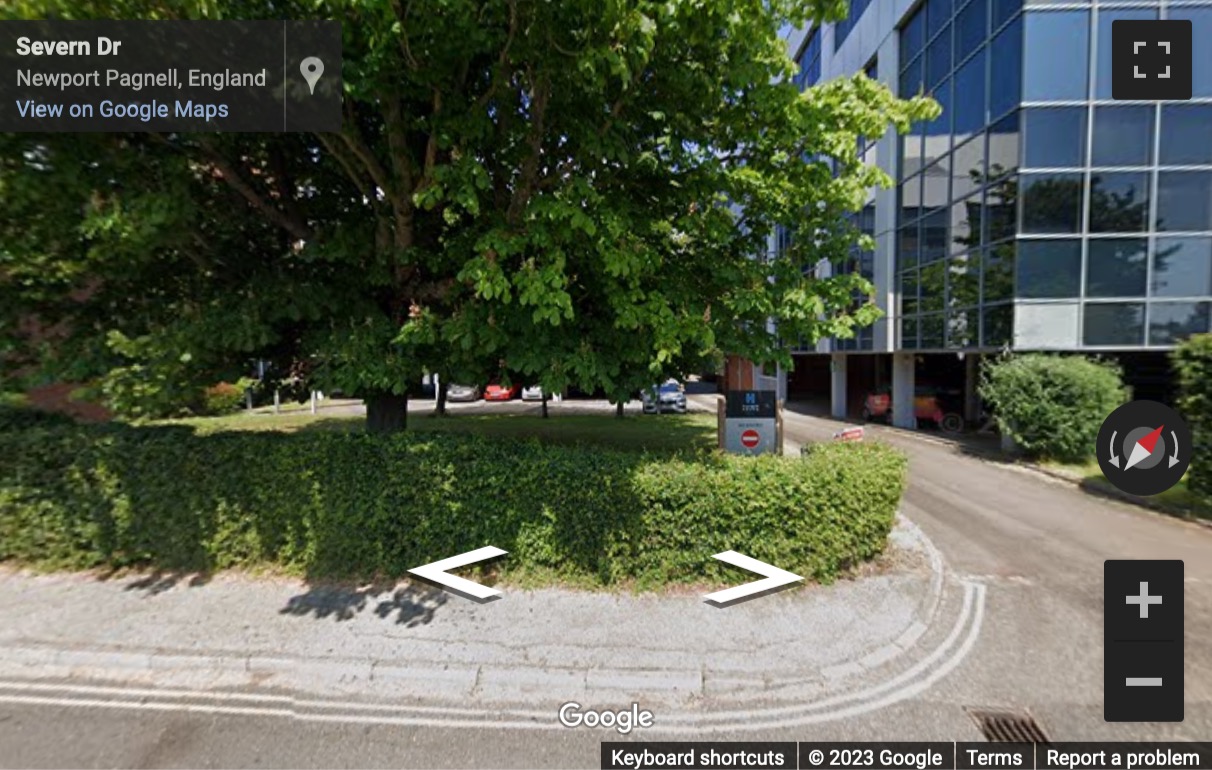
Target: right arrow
point(1174, 458)
point(436, 572)
point(772, 577)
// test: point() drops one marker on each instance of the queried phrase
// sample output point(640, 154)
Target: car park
point(931, 405)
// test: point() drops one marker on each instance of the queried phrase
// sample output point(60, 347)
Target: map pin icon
point(312, 68)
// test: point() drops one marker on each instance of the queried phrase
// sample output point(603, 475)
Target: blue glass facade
point(1036, 211)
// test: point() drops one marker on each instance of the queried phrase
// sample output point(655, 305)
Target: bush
point(352, 505)
point(223, 398)
point(1052, 406)
point(14, 417)
point(1193, 362)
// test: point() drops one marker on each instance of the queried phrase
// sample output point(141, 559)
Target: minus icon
point(1144, 681)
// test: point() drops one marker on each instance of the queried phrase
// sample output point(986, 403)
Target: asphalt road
point(1037, 545)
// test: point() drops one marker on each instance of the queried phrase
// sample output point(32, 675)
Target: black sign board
point(759, 404)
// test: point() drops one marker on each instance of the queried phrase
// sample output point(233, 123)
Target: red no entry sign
point(750, 439)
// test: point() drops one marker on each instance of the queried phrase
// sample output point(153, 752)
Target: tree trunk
point(443, 386)
point(618, 410)
point(386, 413)
point(544, 405)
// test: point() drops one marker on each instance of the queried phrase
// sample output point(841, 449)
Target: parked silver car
point(669, 396)
point(532, 393)
point(463, 393)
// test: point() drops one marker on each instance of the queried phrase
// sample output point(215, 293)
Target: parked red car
point(928, 405)
point(498, 392)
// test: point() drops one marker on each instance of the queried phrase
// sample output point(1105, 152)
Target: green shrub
point(15, 418)
point(1193, 362)
point(223, 398)
point(356, 505)
point(1052, 406)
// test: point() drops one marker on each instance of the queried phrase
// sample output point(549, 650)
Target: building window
point(1123, 136)
point(1170, 322)
point(1182, 267)
point(971, 28)
point(1057, 68)
point(1054, 137)
point(1114, 324)
point(1119, 202)
point(1049, 268)
point(1116, 267)
point(809, 61)
point(1184, 201)
point(1102, 68)
point(1186, 135)
point(1201, 31)
point(1006, 87)
point(841, 30)
point(1051, 203)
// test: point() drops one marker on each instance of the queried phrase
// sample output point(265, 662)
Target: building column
point(972, 401)
point(903, 390)
point(837, 385)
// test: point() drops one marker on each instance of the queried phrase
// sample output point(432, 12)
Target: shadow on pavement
point(409, 605)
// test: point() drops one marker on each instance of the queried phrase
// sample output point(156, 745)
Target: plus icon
point(1151, 59)
point(1144, 600)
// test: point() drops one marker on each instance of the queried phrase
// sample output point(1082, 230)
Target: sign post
point(750, 422)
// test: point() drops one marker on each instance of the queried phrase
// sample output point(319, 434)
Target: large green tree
point(575, 193)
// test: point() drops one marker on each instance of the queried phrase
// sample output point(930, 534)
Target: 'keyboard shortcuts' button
point(1143, 641)
point(1151, 59)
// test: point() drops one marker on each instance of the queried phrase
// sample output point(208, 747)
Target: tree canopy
point(577, 194)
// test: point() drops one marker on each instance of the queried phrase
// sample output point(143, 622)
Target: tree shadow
point(409, 605)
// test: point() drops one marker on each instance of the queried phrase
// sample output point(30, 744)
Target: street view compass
point(1144, 447)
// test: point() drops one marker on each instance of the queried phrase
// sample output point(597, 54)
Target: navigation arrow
point(1114, 457)
point(436, 572)
point(1174, 458)
point(772, 578)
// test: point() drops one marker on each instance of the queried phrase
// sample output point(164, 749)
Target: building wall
point(1036, 212)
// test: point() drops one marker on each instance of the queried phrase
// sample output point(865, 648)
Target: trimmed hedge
point(351, 505)
point(1193, 362)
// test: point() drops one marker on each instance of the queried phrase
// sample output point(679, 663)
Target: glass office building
point(1036, 213)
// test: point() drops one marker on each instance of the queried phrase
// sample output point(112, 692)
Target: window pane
point(970, 29)
point(1006, 78)
point(934, 186)
point(909, 304)
point(1182, 267)
point(1184, 200)
point(968, 166)
point(938, 13)
point(1003, 10)
point(997, 325)
point(1114, 323)
point(909, 244)
point(964, 281)
point(1001, 201)
point(1170, 322)
point(1186, 134)
point(1102, 84)
point(970, 96)
point(963, 328)
point(1123, 136)
point(941, 126)
point(932, 331)
point(1119, 202)
point(911, 79)
point(1003, 146)
point(1201, 32)
point(938, 58)
point(934, 236)
point(1049, 268)
point(913, 36)
point(1051, 203)
point(909, 333)
point(1054, 137)
point(966, 224)
point(997, 280)
point(911, 152)
point(1116, 267)
point(1056, 68)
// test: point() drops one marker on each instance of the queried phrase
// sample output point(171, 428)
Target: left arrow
point(772, 577)
point(436, 572)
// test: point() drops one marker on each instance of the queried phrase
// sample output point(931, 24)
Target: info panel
point(79, 76)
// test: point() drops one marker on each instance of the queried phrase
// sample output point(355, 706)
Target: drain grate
point(1008, 725)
